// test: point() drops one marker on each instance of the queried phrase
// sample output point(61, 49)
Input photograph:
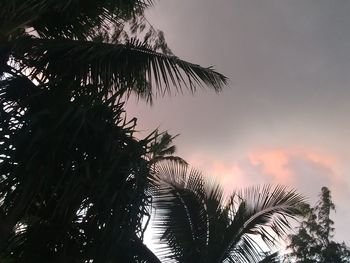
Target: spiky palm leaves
point(73, 179)
point(133, 66)
point(66, 18)
point(194, 223)
point(54, 40)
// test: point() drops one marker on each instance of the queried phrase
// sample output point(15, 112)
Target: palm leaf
point(68, 18)
point(271, 258)
point(162, 148)
point(180, 223)
point(187, 205)
point(69, 186)
point(261, 211)
point(126, 67)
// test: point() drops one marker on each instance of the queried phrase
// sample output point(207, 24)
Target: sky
point(284, 116)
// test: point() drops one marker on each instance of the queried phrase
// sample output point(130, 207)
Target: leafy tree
point(74, 177)
point(195, 223)
point(74, 180)
point(313, 241)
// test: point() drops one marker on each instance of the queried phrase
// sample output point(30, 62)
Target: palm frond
point(143, 253)
point(18, 14)
point(66, 18)
point(180, 220)
point(126, 67)
point(71, 188)
point(264, 212)
point(270, 258)
point(187, 204)
point(161, 148)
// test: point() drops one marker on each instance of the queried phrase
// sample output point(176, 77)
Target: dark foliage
point(314, 242)
point(195, 223)
point(97, 43)
point(73, 179)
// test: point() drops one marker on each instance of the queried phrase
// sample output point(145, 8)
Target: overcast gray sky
point(285, 116)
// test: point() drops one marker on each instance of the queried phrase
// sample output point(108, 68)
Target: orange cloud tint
point(275, 162)
point(289, 166)
point(272, 163)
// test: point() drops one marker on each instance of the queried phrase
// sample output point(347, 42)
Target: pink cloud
point(298, 167)
point(272, 163)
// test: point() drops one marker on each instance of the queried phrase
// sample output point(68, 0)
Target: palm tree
point(162, 148)
point(195, 223)
point(74, 179)
point(81, 41)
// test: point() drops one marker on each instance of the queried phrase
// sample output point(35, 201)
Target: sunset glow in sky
point(284, 117)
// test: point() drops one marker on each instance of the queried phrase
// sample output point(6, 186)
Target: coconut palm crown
point(194, 222)
point(85, 41)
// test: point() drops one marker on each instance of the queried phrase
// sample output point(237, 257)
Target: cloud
point(272, 164)
point(304, 169)
point(288, 62)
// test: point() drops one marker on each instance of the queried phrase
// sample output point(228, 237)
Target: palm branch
point(71, 41)
point(133, 66)
point(66, 18)
point(270, 258)
point(194, 224)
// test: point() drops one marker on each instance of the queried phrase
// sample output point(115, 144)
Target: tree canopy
point(194, 222)
point(76, 185)
point(313, 241)
point(74, 179)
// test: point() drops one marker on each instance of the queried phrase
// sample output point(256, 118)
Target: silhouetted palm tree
point(73, 185)
point(195, 223)
point(81, 40)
